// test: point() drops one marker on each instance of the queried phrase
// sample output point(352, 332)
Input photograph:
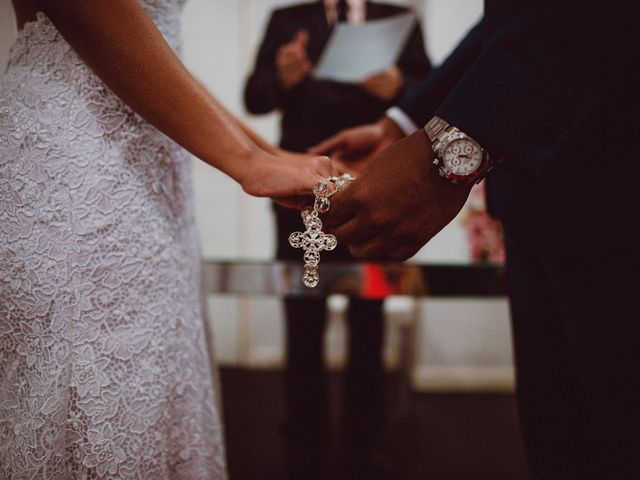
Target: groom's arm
point(538, 76)
point(420, 102)
point(355, 146)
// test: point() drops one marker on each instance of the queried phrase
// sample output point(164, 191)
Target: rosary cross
point(313, 240)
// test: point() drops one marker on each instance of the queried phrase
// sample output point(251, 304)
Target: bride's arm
point(248, 131)
point(119, 41)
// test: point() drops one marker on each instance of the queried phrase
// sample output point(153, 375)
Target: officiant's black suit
point(315, 109)
point(550, 89)
point(312, 111)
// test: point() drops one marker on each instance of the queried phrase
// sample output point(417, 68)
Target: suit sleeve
point(539, 76)
point(421, 101)
point(261, 90)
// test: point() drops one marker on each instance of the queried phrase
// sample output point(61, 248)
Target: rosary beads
point(313, 240)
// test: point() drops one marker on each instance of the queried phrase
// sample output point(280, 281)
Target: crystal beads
point(313, 240)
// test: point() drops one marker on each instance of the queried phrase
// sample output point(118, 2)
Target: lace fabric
point(104, 368)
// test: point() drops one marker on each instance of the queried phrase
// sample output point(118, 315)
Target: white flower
point(104, 452)
point(87, 373)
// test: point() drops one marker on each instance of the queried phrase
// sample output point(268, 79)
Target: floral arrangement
point(484, 233)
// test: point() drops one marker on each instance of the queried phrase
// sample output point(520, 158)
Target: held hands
point(397, 204)
point(287, 178)
point(352, 149)
point(385, 85)
point(292, 62)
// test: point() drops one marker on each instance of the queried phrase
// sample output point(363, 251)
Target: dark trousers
point(307, 396)
point(576, 333)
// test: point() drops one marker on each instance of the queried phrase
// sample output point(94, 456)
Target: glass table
point(252, 278)
point(365, 280)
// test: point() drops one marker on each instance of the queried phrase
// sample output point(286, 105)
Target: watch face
point(462, 156)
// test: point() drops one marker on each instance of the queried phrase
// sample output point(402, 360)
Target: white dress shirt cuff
point(401, 119)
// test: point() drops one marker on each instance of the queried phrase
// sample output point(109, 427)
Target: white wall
point(459, 344)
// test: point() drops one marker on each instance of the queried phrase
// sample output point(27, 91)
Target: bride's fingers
point(317, 169)
point(326, 167)
point(300, 173)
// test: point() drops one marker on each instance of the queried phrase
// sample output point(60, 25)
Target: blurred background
point(462, 341)
point(461, 421)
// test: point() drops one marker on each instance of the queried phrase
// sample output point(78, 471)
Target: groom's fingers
point(343, 209)
point(354, 232)
point(370, 250)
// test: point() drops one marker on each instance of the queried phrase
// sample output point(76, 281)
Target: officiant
point(311, 111)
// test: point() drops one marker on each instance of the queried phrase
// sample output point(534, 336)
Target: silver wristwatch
point(459, 158)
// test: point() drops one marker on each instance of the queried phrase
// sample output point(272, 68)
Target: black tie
point(342, 9)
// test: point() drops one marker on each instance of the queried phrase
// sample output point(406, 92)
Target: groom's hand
point(354, 147)
point(397, 205)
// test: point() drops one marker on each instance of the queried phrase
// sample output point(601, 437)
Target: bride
point(104, 370)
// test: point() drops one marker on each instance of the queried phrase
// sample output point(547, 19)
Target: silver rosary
point(313, 240)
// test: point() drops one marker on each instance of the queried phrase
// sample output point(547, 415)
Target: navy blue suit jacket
point(550, 88)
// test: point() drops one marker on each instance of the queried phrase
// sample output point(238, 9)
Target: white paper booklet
point(356, 51)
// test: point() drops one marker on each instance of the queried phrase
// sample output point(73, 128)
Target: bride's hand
point(287, 178)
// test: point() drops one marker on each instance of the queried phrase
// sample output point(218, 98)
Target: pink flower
point(484, 233)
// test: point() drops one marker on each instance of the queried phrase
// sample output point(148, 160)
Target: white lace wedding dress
point(104, 369)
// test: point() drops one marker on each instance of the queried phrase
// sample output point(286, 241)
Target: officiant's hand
point(385, 85)
point(354, 147)
point(397, 204)
point(292, 62)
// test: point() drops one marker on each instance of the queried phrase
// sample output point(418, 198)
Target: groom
point(542, 98)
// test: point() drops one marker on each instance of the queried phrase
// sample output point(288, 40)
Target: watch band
point(437, 130)
point(441, 133)
point(434, 127)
